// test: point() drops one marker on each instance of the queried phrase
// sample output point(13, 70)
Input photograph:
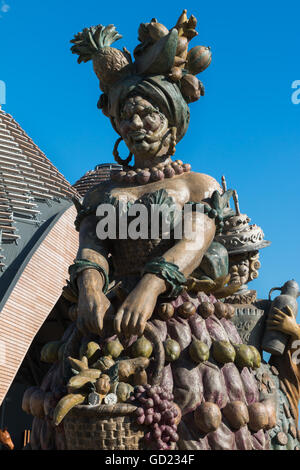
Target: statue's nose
point(136, 122)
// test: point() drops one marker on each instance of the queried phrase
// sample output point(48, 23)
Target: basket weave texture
point(102, 427)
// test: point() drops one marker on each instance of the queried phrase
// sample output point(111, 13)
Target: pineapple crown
point(89, 41)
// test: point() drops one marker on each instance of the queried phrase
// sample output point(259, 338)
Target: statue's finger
point(118, 321)
point(290, 311)
point(279, 312)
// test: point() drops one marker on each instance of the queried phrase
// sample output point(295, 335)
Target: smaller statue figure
point(256, 318)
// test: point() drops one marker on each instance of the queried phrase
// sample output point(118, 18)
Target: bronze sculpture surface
point(153, 353)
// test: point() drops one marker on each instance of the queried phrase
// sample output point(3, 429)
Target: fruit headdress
point(163, 69)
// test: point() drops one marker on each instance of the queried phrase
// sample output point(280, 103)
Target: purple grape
point(175, 412)
point(174, 426)
point(147, 387)
point(156, 417)
point(156, 399)
point(157, 433)
point(141, 419)
point(149, 411)
point(162, 406)
point(165, 438)
point(168, 415)
point(139, 412)
point(149, 403)
point(139, 389)
point(159, 443)
point(148, 437)
point(172, 421)
point(148, 420)
point(143, 400)
point(162, 428)
point(174, 437)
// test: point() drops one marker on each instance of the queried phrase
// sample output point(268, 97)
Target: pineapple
point(109, 64)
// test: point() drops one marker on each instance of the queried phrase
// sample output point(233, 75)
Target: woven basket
point(102, 427)
point(109, 427)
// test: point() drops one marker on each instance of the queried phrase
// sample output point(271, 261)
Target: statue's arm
point(92, 303)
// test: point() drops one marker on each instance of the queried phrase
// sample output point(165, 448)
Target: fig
point(230, 311)
point(198, 59)
point(236, 413)
point(206, 309)
point(191, 88)
point(157, 31)
point(113, 349)
point(271, 412)
point(182, 44)
point(165, 311)
point(258, 416)
point(49, 352)
point(223, 352)
point(36, 403)
point(142, 347)
point(220, 310)
point(123, 391)
point(208, 417)
point(186, 310)
point(199, 351)
point(256, 357)
point(244, 356)
point(140, 378)
point(172, 350)
point(91, 350)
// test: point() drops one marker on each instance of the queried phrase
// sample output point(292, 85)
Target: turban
point(159, 91)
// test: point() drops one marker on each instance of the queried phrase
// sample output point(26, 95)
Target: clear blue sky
point(246, 126)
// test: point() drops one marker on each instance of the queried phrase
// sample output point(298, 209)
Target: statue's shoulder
point(202, 186)
point(97, 194)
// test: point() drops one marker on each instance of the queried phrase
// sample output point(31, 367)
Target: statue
point(152, 359)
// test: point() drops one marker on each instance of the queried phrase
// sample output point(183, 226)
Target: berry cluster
point(156, 410)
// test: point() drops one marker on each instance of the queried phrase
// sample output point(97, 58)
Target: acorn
point(165, 311)
point(186, 310)
point(206, 309)
point(220, 310)
point(198, 59)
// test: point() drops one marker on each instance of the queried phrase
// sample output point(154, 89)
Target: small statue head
point(243, 267)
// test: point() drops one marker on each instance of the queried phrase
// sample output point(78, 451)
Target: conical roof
point(91, 178)
point(31, 189)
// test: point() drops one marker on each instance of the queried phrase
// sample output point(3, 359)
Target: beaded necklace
point(147, 175)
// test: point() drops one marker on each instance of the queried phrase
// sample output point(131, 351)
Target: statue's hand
point(138, 307)
point(284, 322)
point(92, 306)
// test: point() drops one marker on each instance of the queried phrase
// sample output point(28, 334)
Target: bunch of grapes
point(156, 410)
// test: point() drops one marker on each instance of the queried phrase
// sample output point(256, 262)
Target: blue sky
point(246, 126)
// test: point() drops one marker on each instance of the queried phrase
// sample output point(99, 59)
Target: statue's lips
point(137, 136)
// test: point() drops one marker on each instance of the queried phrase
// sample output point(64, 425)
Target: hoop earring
point(172, 148)
point(116, 154)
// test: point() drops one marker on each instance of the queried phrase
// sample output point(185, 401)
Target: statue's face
point(143, 128)
point(244, 267)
